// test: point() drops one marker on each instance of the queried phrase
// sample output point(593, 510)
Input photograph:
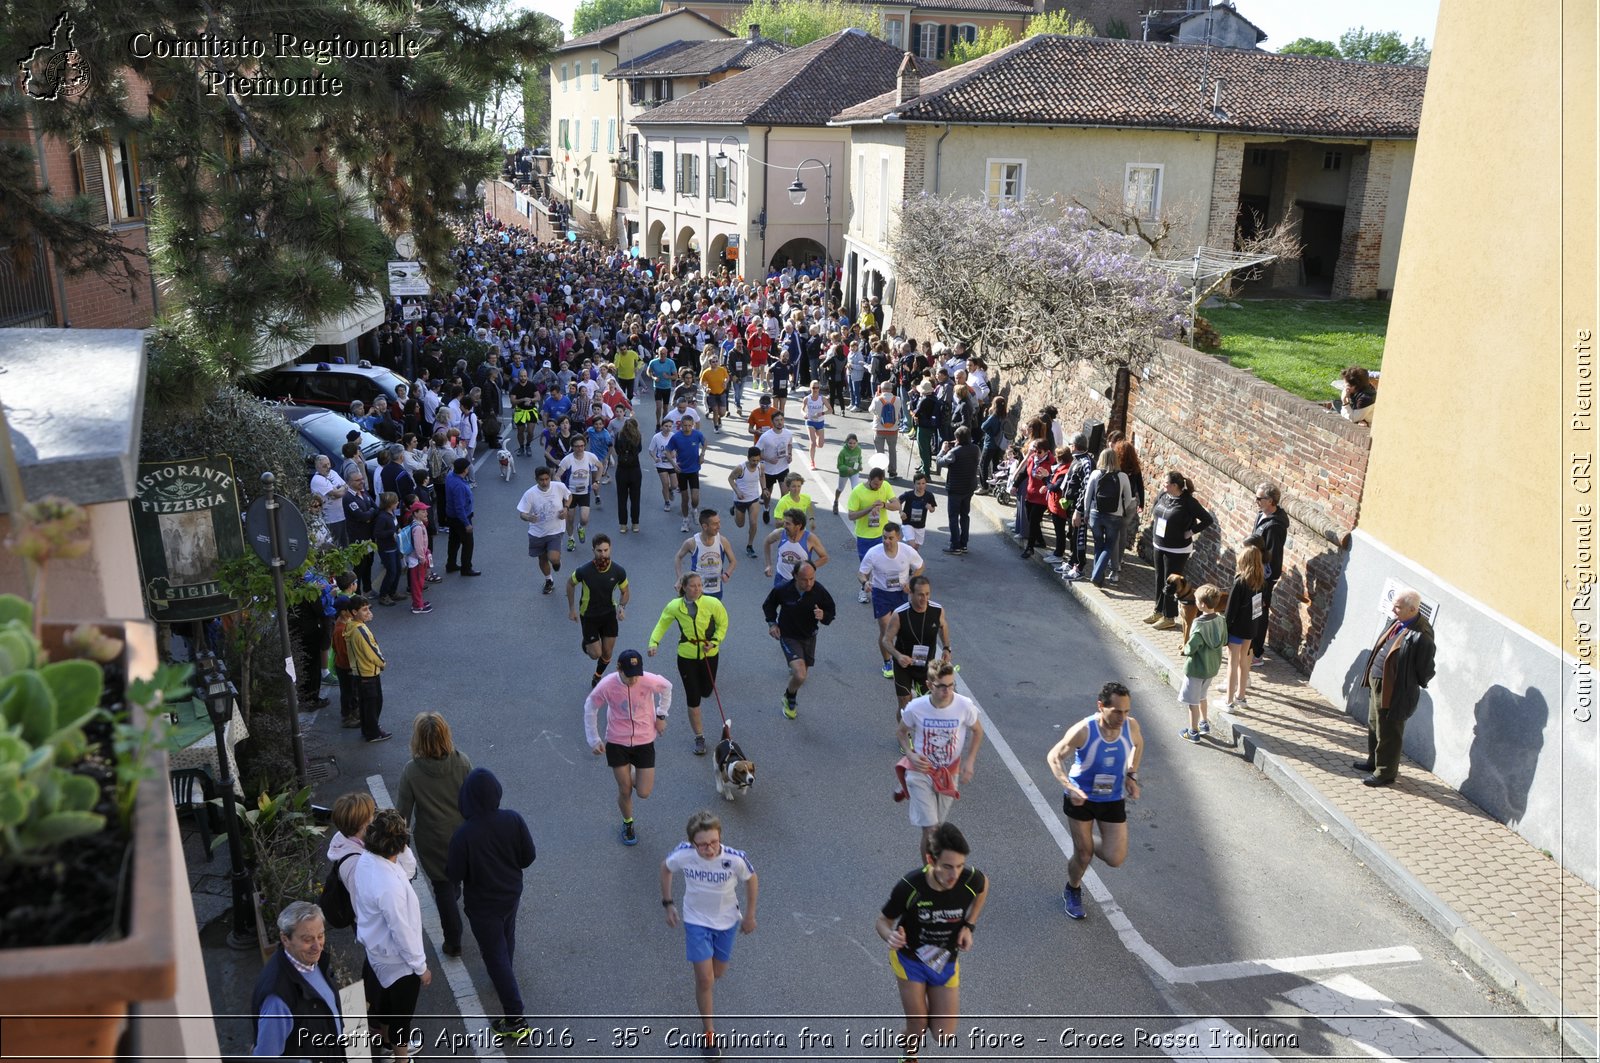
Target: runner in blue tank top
point(1105, 750)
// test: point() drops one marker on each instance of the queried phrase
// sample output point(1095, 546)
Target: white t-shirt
point(891, 573)
point(545, 506)
point(578, 472)
point(939, 734)
point(776, 447)
point(673, 417)
point(332, 508)
point(709, 886)
point(747, 485)
point(658, 449)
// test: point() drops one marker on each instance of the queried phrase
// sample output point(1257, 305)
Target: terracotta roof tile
point(685, 58)
point(1089, 81)
point(1020, 8)
point(804, 87)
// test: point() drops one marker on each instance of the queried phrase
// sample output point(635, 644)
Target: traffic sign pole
point(277, 565)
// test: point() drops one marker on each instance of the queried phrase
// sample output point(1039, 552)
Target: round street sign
point(293, 541)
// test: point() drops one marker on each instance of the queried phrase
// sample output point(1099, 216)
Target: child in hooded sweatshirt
point(1204, 660)
point(488, 853)
point(849, 467)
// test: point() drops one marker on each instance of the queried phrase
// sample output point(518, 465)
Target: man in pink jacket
point(636, 704)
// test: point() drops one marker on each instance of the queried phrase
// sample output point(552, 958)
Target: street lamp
point(211, 677)
point(797, 196)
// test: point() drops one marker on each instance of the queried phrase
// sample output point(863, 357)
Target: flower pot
point(72, 1001)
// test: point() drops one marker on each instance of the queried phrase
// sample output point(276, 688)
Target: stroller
point(999, 483)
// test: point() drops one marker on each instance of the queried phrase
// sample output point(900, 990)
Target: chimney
point(908, 84)
point(755, 30)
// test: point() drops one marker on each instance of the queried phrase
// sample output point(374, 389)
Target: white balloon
point(569, 300)
point(677, 304)
point(666, 308)
point(551, 257)
point(567, 288)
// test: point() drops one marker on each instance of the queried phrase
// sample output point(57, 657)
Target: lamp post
point(797, 196)
point(211, 677)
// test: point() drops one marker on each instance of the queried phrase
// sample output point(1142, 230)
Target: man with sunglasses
point(1105, 750)
point(939, 733)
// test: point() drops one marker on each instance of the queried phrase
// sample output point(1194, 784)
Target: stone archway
point(801, 250)
point(655, 243)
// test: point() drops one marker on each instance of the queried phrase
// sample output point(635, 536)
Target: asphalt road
point(1222, 869)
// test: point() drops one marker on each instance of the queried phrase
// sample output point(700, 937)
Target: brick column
point(916, 168)
point(1366, 205)
point(1225, 169)
point(1286, 180)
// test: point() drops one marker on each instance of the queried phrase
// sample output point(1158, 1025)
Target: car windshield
point(327, 432)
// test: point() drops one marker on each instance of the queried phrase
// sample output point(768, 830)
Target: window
point(563, 77)
point(594, 74)
point(633, 147)
point(928, 34)
point(966, 32)
point(1005, 181)
point(658, 171)
point(594, 134)
point(636, 92)
point(688, 174)
point(859, 207)
point(725, 180)
point(611, 136)
point(1332, 160)
point(1260, 157)
point(896, 31)
point(122, 180)
point(1141, 188)
point(561, 136)
point(883, 198)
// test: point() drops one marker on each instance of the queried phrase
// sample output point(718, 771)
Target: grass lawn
point(1300, 345)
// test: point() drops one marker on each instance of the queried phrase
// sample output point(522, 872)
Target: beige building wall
point(1463, 454)
point(1394, 219)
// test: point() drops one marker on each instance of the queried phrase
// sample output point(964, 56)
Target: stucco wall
point(1405, 156)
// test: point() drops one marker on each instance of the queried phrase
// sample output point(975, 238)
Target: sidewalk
point(1530, 925)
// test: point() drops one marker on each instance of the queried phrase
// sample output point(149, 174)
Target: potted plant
point(86, 852)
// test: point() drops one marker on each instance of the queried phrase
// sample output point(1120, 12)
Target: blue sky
point(1283, 20)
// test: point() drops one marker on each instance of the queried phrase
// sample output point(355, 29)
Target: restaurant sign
point(186, 525)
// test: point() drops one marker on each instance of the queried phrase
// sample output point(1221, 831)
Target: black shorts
point(799, 649)
point(717, 402)
point(581, 500)
point(1089, 811)
point(775, 479)
point(633, 756)
point(689, 481)
point(904, 678)
point(698, 677)
point(596, 628)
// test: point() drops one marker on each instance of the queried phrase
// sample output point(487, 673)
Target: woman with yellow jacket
point(702, 625)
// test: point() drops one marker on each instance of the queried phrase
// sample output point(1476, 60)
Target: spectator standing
point(1176, 519)
point(1245, 603)
point(429, 798)
point(630, 475)
point(458, 513)
point(1036, 468)
point(1272, 527)
point(1399, 666)
point(385, 534)
point(367, 662)
point(1106, 497)
point(1204, 660)
point(360, 511)
point(330, 487)
point(962, 458)
point(487, 856)
point(419, 559)
point(995, 435)
point(294, 1002)
point(389, 927)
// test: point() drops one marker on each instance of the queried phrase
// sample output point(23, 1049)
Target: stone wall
point(1228, 431)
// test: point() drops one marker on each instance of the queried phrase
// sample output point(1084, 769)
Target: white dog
point(508, 465)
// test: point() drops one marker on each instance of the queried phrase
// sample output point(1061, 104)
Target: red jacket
point(1038, 467)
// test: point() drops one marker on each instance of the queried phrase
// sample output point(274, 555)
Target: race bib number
point(580, 481)
point(1103, 785)
point(711, 572)
point(892, 583)
point(874, 518)
point(934, 958)
point(920, 654)
point(1255, 606)
point(1160, 530)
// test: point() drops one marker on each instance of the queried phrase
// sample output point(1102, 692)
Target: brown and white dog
point(734, 772)
point(1183, 591)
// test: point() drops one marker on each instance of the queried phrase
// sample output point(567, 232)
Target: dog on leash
point(1183, 591)
point(508, 465)
point(735, 773)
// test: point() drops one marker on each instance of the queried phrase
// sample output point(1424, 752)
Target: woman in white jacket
point(389, 927)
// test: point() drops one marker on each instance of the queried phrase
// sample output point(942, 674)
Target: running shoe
point(766, 516)
point(381, 736)
point(749, 551)
point(583, 533)
point(1240, 705)
point(1205, 727)
point(516, 1030)
point(699, 745)
point(1072, 901)
point(426, 607)
point(888, 670)
point(790, 710)
point(636, 529)
point(628, 836)
point(549, 585)
point(572, 544)
point(685, 525)
point(863, 597)
point(666, 507)
point(1189, 735)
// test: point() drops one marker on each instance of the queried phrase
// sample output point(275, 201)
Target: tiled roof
point(804, 87)
point(685, 58)
point(607, 34)
point(1089, 81)
point(1168, 26)
point(1020, 8)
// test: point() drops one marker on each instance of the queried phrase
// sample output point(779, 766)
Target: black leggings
point(1168, 564)
point(698, 676)
point(628, 485)
point(1036, 512)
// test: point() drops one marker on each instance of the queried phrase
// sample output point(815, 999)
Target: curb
point(1502, 971)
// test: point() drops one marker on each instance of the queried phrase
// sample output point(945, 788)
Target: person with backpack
point(1074, 471)
point(352, 815)
point(886, 427)
point(389, 926)
point(1106, 497)
point(416, 553)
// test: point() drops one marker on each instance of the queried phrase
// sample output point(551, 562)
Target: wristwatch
point(667, 903)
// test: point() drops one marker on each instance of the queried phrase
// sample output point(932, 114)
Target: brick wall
point(1227, 431)
point(1361, 241)
point(1101, 12)
point(1223, 216)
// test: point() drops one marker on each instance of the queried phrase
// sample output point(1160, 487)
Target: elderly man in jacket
point(1397, 668)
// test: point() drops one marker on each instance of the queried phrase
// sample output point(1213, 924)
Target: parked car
point(331, 387)
point(325, 432)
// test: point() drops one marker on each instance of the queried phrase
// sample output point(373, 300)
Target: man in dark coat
point(1397, 668)
point(294, 1002)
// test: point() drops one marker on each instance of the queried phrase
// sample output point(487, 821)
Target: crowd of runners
point(610, 365)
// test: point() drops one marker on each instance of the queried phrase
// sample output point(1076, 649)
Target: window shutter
point(94, 182)
point(938, 52)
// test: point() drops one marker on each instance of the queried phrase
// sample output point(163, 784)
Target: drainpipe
point(938, 149)
point(766, 172)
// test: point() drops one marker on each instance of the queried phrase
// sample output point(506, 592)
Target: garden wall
point(1227, 431)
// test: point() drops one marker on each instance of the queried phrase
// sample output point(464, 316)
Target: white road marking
point(473, 1014)
point(1327, 961)
point(1209, 1039)
point(1375, 1024)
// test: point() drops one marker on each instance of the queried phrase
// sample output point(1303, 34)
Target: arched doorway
point(686, 251)
point(656, 242)
point(717, 254)
point(799, 252)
